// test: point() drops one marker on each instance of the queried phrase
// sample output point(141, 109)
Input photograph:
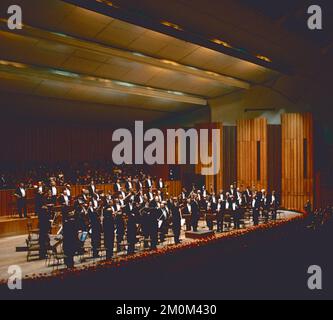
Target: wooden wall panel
point(214, 181)
point(55, 143)
point(229, 161)
point(274, 158)
point(249, 133)
point(296, 187)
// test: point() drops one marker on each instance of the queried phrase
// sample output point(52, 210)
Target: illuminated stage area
point(52, 267)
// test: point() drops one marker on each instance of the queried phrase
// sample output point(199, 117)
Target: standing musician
point(65, 203)
point(21, 195)
point(274, 204)
point(92, 188)
point(148, 183)
point(45, 225)
point(70, 239)
point(119, 220)
point(39, 197)
point(54, 192)
point(187, 214)
point(117, 186)
point(176, 218)
point(132, 215)
point(109, 214)
point(163, 213)
point(95, 225)
point(265, 204)
point(256, 202)
point(220, 215)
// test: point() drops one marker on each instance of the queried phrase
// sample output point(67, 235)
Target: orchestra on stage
point(138, 206)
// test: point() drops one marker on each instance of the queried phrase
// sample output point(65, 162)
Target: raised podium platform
point(14, 226)
point(199, 234)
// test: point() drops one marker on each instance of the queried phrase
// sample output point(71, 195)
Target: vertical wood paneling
point(297, 189)
point(212, 181)
point(274, 158)
point(229, 161)
point(249, 133)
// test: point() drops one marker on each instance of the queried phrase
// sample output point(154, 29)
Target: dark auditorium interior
point(77, 70)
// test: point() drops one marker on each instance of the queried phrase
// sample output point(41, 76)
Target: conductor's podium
point(199, 234)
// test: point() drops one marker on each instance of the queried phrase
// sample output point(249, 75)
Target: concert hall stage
point(39, 269)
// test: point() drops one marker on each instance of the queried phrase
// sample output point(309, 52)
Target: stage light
point(222, 43)
point(171, 25)
point(266, 59)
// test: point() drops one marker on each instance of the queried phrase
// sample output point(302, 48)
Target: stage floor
point(9, 256)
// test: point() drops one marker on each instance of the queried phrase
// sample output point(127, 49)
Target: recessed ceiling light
point(65, 73)
point(222, 43)
point(124, 84)
point(173, 63)
point(266, 59)
point(171, 25)
point(108, 3)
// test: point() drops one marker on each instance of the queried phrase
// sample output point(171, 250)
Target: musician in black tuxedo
point(248, 196)
point(65, 204)
point(92, 188)
point(146, 223)
point(275, 205)
point(265, 205)
point(44, 226)
point(70, 238)
point(129, 185)
point(220, 215)
point(21, 195)
point(139, 185)
point(109, 215)
point(148, 183)
point(233, 191)
point(117, 186)
point(39, 195)
point(54, 192)
point(187, 214)
point(95, 225)
point(154, 216)
point(160, 184)
point(132, 214)
point(195, 215)
point(120, 224)
point(163, 214)
point(256, 203)
point(176, 218)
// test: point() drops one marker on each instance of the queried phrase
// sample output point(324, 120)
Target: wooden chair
point(33, 248)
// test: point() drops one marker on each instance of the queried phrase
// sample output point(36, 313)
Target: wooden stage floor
point(9, 256)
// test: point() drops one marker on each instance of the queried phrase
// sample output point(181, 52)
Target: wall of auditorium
point(285, 94)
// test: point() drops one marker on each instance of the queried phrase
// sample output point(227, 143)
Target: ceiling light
point(65, 73)
point(108, 3)
point(124, 84)
point(139, 54)
point(222, 43)
point(263, 58)
point(171, 25)
point(173, 63)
